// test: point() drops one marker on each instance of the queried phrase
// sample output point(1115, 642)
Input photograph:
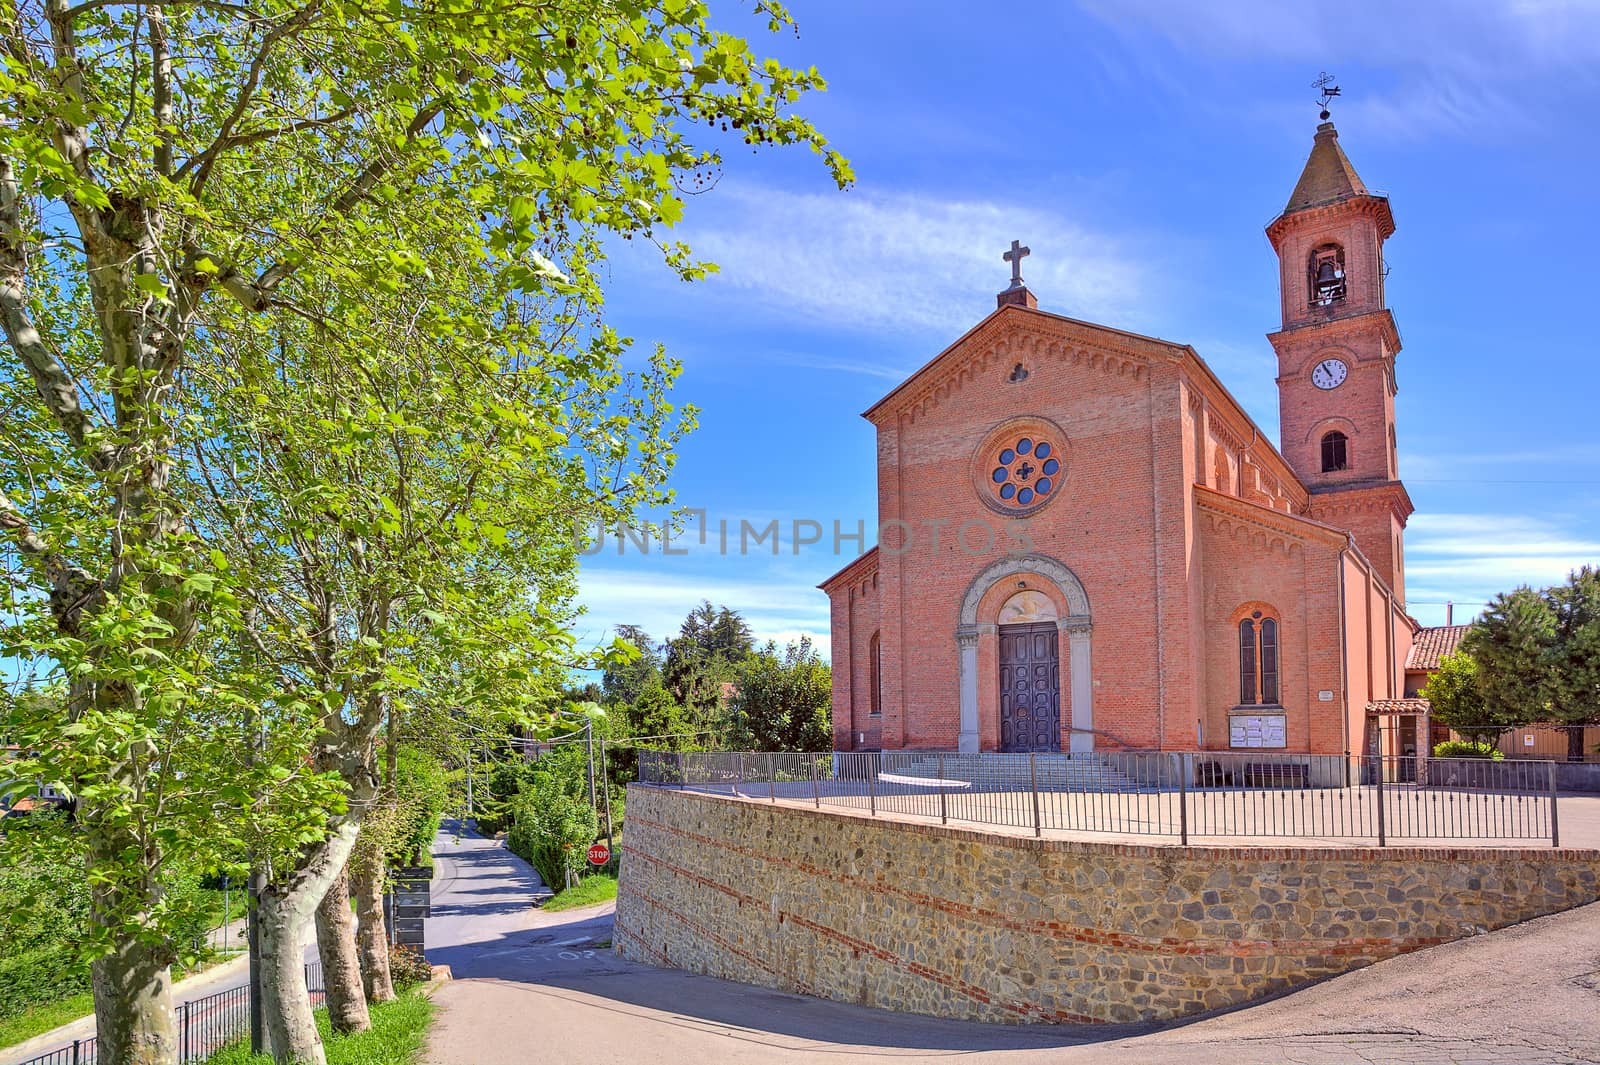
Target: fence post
point(772, 776)
point(944, 818)
point(816, 789)
point(1382, 840)
point(77, 1050)
point(872, 783)
point(183, 1053)
point(1555, 825)
point(1347, 767)
point(1183, 800)
point(1033, 786)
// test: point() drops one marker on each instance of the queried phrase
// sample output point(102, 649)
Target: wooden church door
point(1030, 687)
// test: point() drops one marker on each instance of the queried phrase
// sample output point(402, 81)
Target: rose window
point(1025, 472)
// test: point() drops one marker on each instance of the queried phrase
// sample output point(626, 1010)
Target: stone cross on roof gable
point(1015, 257)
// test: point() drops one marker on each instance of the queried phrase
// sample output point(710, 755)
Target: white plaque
point(1258, 730)
point(1324, 696)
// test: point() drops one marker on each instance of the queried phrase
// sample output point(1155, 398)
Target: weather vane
point(1325, 83)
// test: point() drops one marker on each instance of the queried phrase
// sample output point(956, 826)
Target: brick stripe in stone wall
point(956, 922)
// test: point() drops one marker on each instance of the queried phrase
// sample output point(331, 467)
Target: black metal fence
point(1185, 794)
point(205, 1025)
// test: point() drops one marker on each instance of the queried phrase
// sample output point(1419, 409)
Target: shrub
point(1464, 749)
point(39, 976)
point(407, 966)
point(553, 828)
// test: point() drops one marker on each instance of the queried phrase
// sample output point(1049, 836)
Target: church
point(1086, 544)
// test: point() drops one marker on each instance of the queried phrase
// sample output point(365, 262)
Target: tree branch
point(71, 587)
point(56, 386)
point(257, 295)
point(208, 157)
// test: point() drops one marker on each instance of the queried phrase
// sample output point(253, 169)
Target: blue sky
point(1139, 149)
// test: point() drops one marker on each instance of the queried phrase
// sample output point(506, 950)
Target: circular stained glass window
point(1024, 471)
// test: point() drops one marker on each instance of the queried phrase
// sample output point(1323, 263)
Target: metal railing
point(1189, 795)
point(205, 1025)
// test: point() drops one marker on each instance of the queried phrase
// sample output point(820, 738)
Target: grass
point(399, 1029)
point(36, 1020)
point(590, 891)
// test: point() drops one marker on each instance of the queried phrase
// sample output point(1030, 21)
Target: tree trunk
point(372, 936)
point(133, 983)
point(1574, 743)
point(341, 971)
point(133, 1005)
point(286, 915)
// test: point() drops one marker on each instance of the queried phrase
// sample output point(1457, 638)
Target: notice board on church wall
point(1258, 730)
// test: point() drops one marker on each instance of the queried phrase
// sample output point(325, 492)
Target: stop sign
point(599, 854)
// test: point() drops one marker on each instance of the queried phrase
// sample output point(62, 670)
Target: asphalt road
point(534, 988)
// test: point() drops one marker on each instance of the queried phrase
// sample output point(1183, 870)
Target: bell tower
point(1336, 355)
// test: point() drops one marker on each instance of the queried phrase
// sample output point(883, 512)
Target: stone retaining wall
point(962, 923)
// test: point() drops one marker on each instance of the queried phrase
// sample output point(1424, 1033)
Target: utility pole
point(588, 742)
point(610, 843)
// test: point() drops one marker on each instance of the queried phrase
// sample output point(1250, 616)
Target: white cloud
point(1462, 69)
point(1468, 558)
point(898, 262)
point(779, 605)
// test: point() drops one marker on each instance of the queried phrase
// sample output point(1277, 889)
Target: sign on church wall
point(1258, 730)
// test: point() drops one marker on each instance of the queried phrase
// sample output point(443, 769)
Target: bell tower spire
point(1336, 353)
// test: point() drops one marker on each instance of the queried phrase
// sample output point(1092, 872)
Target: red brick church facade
point(1086, 544)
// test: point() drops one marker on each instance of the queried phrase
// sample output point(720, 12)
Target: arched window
point(1335, 451)
point(875, 671)
point(1327, 276)
point(1258, 660)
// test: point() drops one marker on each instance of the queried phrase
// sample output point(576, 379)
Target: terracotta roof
point(1398, 706)
point(1328, 176)
point(1433, 644)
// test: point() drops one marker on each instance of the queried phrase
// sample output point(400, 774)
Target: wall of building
point(1100, 522)
point(1247, 565)
point(959, 923)
point(855, 617)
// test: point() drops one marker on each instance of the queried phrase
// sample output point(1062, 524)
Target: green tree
point(1509, 645)
point(624, 680)
point(164, 167)
point(1573, 657)
point(1457, 699)
point(784, 700)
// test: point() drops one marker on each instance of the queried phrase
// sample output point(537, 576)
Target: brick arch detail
point(1332, 421)
point(1077, 600)
point(1074, 625)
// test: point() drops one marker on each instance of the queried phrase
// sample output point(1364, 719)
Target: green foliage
point(421, 794)
point(1538, 655)
point(553, 821)
point(626, 679)
point(1464, 749)
point(1457, 698)
point(784, 700)
point(590, 891)
point(305, 380)
point(1508, 644)
point(1573, 657)
point(408, 967)
point(36, 1020)
point(40, 976)
point(399, 1031)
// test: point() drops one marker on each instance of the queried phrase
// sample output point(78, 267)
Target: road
point(532, 987)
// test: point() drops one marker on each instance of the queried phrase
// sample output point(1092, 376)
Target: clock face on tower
point(1329, 373)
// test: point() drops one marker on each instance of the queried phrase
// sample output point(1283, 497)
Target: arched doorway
point(1017, 618)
